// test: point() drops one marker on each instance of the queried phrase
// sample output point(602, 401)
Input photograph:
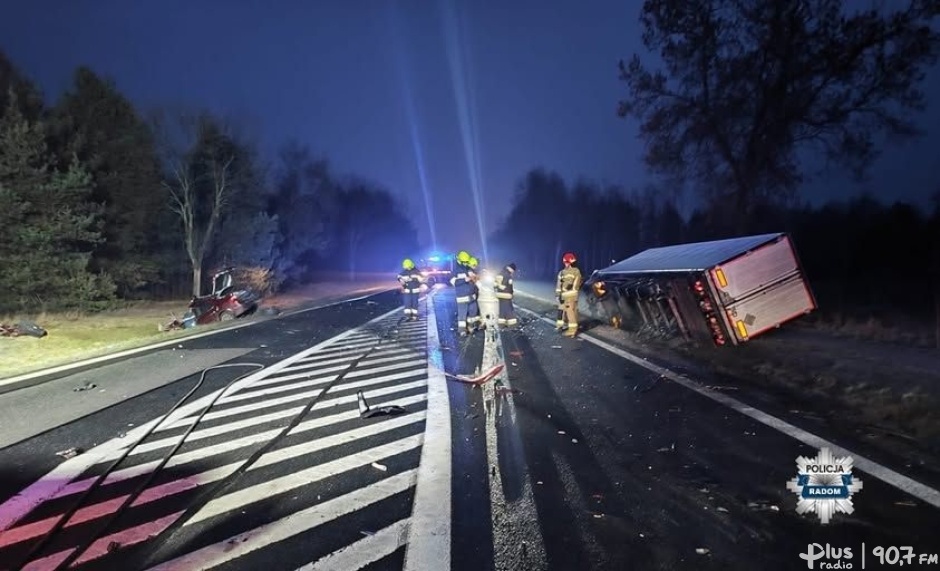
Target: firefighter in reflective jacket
point(567, 288)
point(410, 280)
point(462, 290)
point(474, 320)
point(503, 286)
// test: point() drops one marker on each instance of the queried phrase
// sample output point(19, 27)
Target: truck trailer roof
point(684, 258)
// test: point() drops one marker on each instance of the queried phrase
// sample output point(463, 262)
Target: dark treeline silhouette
point(100, 202)
point(863, 258)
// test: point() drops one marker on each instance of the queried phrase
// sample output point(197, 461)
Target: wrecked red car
point(223, 304)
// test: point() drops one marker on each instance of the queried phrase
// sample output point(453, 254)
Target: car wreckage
point(225, 303)
point(723, 292)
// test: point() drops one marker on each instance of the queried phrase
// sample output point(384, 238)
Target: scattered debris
point(562, 432)
point(722, 510)
point(574, 440)
point(367, 533)
point(702, 550)
point(670, 448)
point(22, 329)
point(720, 388)
point(556, 346)
point(86, 387)
point(503, 390)
point(371, 302)
point(763, 506)
point(381, 467)
point(598, 516)
point(113, 546)
point(479, 379)
point(69, 452)
point(365, 411)
point(906, 503)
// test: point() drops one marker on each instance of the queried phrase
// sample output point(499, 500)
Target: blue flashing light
point(435, 258)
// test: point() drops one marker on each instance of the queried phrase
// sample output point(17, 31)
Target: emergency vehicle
point(437, 268)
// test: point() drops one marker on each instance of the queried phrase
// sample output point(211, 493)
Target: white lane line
point(334, 360)
point(514, 524)
point(429, 533)
point(363, 552)
point(410, 365)
point(94, 511)
point(907, 485)
point(16, 507)
point(294, 524)
point(271, 488)
point(366, 371)
point(332, 365)
point(282, 400)
point(180, 459)
point(103, 546)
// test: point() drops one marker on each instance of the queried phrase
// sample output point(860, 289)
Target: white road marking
point(363, 552)
point(49, 485)
point(283, 484)
point(513, 523)
point(430, 528)
point(410, 365)
point(181, 485)
point(287, 527)
point(183, 458)
point(905, 484)
point(286, 400)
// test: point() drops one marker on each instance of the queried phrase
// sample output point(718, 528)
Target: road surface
point(576, 456)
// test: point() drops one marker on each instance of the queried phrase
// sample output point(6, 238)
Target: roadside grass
point(75, 336)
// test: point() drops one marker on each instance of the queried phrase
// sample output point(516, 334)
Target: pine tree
point(50, 225)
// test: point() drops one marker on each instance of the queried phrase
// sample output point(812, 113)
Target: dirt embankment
point(888, 392)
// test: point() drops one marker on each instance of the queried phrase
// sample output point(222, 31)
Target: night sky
point(425, 97)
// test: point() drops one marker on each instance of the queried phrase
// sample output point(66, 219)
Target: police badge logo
point(825, 485)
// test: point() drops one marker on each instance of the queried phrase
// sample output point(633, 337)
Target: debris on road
point(69, 452)
point(85, 387)
point(763, 505)
point(381, 467)
point(366, 411)
point(702, 550)
point(479, 379)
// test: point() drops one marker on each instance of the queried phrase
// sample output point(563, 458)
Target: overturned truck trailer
point(723, 292)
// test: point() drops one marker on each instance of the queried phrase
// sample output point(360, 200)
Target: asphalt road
point(574, 457)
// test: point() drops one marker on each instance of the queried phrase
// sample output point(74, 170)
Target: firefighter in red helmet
point(567, 288)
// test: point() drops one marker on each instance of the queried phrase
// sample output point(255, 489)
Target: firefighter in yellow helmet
point(504, 291)
point(410, 280)
point(567, 288)
point(474, 320)
point(462, 290)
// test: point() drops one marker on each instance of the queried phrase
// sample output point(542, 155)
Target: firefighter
point(462, 290)
point(567, 288)
point(503, 286)
point(410, 280)
point(474, 320)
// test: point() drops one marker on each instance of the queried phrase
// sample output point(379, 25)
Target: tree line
point(862, 256)
point(100, 202)
point(743, 103)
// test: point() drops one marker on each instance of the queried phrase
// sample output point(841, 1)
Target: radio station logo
point(824, 485)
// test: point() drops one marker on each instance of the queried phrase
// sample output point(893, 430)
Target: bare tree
point(201, 159)
point(748, 84)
